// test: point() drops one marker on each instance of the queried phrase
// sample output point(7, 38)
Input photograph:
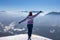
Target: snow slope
point(24, 37)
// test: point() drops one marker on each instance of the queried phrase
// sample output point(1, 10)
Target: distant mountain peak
point(54, 13)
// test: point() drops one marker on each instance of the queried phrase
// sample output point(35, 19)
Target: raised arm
point(37, 14)
point(23, 20)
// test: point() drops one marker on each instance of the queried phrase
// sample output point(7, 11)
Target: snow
point(24, 37)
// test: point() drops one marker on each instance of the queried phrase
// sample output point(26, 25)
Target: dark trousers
point(30, 27)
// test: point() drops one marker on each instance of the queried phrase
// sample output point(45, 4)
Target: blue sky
point(46, 5)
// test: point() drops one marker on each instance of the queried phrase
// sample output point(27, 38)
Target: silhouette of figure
point(30, 18)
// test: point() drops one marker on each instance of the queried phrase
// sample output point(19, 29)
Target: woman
point(30, 23)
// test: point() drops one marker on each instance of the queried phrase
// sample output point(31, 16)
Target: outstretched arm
point(37, 14)
point(23, 20)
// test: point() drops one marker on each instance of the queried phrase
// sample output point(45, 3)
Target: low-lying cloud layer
point(14, 13)
point(11, 26)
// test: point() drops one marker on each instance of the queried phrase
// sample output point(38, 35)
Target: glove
point(19, 22)
point(40, 11)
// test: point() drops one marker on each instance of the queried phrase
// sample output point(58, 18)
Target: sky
point(53, 5)
point(30, 5)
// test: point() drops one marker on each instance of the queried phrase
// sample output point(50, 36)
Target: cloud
point(52, 30)
point(1, 25)
point(19, 29)
point(2, 11)
point(11, 26)
point(12, 13)
point(11, 32)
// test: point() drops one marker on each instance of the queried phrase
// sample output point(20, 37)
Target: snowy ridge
point(24, 37)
